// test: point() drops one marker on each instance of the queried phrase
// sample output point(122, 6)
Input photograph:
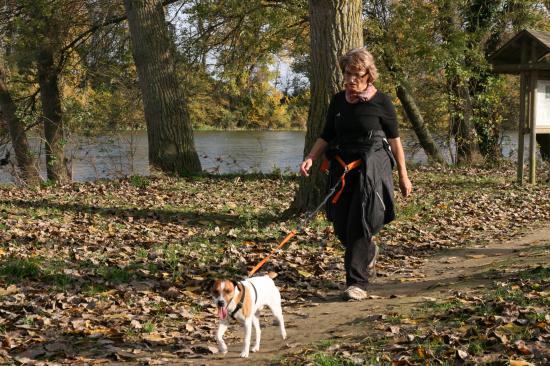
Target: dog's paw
point(255, 349)
point(222, 348)
point(244, 354)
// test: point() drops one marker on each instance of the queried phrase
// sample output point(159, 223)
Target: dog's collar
point(240, 303)
point(255, 293)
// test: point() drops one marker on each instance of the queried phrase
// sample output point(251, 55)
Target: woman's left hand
point(405, 185)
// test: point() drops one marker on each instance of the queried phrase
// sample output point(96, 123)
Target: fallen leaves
point(464, 328)
point(95, 266)
point(513, 362)
point(10, 290)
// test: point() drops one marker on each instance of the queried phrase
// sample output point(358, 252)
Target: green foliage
point(100, 111)
point(252, 102)
point(139, 181)
point(243, 37)
point(227, 54)
point(440, 50)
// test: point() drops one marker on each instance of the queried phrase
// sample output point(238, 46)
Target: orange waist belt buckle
point(347, 168)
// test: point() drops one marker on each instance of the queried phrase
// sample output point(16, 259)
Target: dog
point(243, 302)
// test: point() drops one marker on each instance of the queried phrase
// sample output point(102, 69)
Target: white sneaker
point(355, 293)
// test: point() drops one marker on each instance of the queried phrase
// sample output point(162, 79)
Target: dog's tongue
point(222, 312)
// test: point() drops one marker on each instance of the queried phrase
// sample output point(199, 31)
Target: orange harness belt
point(347, 168)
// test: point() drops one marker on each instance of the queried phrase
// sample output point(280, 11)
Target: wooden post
point(532, 129)
point(522, 109)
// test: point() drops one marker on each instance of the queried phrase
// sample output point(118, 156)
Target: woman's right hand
point(314, 153)
point(305, 166)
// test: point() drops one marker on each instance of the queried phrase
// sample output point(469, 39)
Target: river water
point(126, 154)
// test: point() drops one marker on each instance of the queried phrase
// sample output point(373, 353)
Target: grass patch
point(394, 318)
point(148, 327)
point(139, 181)
point(115, 274)
point(441, 306)
point(476, 347)
point(538, 273)
point(172, 260)
point(414, 207)
point(93, 289)
point(322, 359)
point(15, 269)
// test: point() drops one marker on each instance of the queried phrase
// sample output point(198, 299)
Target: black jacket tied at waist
point(374, 177)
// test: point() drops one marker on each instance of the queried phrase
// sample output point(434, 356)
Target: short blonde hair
point(362, 59)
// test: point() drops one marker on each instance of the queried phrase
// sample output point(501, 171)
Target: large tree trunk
point(417, 122)
point(18, 136)
point(48, 78)
point(461, 107)
point(335, 29)
point(462, 129)
point(171, 143)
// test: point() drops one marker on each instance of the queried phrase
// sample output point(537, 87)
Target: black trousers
point(349, 230)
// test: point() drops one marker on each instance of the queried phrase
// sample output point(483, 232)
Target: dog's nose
point(221, 303)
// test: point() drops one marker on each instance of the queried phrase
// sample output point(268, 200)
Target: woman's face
point(356, 79)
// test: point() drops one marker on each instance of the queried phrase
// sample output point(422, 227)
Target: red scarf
point(363, 96)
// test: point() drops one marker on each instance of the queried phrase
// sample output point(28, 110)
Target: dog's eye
point(227, 291)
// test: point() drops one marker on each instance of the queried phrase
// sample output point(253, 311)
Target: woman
point(361, 127)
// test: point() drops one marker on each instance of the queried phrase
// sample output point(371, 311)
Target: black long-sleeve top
point(349, 124)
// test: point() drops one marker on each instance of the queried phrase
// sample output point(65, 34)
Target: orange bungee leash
point(341, 182)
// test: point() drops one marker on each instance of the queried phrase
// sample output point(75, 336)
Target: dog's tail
point(271, 275)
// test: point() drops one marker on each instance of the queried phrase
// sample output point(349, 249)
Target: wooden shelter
point(527, 54)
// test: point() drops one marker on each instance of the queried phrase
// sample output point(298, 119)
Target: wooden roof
point(510, 53)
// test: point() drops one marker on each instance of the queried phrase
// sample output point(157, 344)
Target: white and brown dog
point(243, 302)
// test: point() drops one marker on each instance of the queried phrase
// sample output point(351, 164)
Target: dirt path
point(454, 269)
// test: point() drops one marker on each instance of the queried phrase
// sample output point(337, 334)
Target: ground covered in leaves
point(509, 324)
point(116, 270)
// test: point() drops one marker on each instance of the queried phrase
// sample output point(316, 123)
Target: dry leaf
point(520, 363)
point(10, 290)
point(305, 274)
point(522, 348)
point(461, 354)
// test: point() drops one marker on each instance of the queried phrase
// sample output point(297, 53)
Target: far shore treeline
point(96, 67)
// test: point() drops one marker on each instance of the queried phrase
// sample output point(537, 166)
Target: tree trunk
point(417, 121)
point(169, 132)
point(18, 136)
point(461, 107)
point(462, 129)
point(335, 28)
point(50, 96)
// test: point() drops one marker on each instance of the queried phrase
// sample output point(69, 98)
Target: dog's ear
point(207, 285)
